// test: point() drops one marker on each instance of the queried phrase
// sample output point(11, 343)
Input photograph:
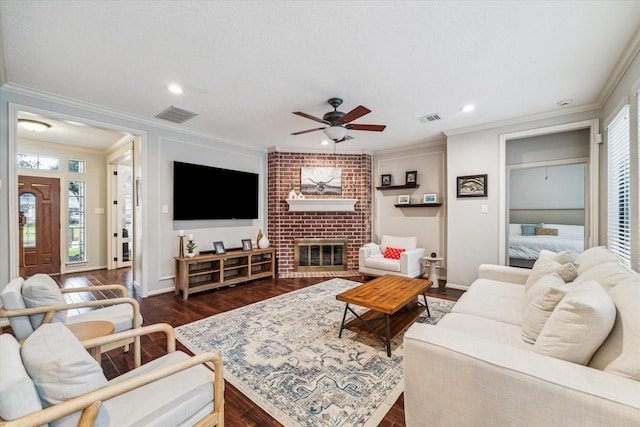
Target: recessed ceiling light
point(174, 88)
point(33, 125)
point(468, 108)
point(324, 142)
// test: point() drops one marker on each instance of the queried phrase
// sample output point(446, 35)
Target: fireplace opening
point(320, 254)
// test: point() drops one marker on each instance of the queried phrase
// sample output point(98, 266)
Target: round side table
point(433, 274)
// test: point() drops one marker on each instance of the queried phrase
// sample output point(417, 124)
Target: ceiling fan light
point(33, 125)
point(335, 133)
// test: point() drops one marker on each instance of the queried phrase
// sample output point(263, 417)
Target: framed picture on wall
point(472, 186)
point(404, 199)
point(385, 180)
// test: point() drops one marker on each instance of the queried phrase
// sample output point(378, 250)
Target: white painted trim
point(626, 58)
point(58, 99)
point(12, 189)
point(458, 287)
point(322, 205)
point(591, 214)
point(523, 119)
point(619, 106)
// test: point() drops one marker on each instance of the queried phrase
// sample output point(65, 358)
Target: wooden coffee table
point(392, 302)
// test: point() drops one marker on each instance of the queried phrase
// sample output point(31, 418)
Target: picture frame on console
point(246, 245)
point(385, 180)
point(219, 248)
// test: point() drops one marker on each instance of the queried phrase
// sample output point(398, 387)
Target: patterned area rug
point(294, 274)
point(285, 355)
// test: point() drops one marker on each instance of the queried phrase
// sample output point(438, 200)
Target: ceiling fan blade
point(306, 131)
point(374, 128)
point(346, 138)
point(305, 115)
point(356, 113)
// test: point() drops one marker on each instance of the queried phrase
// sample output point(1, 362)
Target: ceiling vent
point(429, 118)
point(176, 115)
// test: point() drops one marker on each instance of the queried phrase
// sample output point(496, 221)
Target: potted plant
point(190, 247)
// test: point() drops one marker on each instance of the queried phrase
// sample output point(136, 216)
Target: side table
point(430, 264)
point(92, 329)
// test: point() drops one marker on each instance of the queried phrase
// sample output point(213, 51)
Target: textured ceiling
point(247, 65)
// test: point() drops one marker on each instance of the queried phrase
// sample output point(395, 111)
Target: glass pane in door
point(28, 209)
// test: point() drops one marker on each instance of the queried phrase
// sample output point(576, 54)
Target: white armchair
point(52, 379)
point(38, 300)
point(372, 260)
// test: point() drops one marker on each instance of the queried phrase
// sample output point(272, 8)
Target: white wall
point(473, 235)
point(427, 223)
point(159, 243)
point(548, 187)
point(95, 198)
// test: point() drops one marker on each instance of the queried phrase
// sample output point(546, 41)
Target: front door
point(39, 201)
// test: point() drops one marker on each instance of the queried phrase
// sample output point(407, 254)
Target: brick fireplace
point(285, 226)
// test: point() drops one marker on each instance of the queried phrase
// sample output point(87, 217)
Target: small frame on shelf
point(246, 245)
point(472, 186)
point(430, 198)
point(219, 247)
point(411, 177)
point(385, 180)
point(404, 199)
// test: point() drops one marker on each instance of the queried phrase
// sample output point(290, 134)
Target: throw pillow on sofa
point(40, 290)
point(544, 266)
point(619, 354)
point(540, 287)
point(560, 257)
point(539, 310)
point(608, 274)
point(592, 257)
point(393, 253)
point(579, 324)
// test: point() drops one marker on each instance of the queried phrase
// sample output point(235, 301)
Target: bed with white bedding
point(528, 247)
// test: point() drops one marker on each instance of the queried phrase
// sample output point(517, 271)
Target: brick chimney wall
point(284, 226)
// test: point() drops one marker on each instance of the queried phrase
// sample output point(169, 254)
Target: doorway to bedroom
point(547, 195)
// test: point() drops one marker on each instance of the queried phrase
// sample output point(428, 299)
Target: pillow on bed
point(530, 229)
point(540, 231)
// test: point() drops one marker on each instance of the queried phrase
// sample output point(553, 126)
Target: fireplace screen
point(320, 254)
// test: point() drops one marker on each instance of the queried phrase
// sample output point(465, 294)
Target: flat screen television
point(205, 192)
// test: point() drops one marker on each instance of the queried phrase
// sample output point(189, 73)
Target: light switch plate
point(484, 208)
point(165, 209)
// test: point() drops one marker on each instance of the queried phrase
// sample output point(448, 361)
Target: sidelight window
point(76, 243)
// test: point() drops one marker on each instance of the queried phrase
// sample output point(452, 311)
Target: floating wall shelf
point(397, 187)
point(322, 205)
point(418, 205)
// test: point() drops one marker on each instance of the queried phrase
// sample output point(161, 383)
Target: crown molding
point(621, 67)
point(523, 119)
point(329, 151)
point(74, 103)
point(412, 147)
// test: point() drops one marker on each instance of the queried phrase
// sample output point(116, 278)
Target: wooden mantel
point(322, 205)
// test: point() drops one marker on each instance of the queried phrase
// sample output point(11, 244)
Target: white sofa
point(372, 261)
point(523, 348)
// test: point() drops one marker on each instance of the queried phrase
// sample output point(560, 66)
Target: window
point(28, 219)
point(619, 217)
point(76, 217)
point(34, 161)
point(76, 166)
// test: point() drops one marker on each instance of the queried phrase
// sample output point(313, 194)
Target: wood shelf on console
point(397, 187)
point(418, 205)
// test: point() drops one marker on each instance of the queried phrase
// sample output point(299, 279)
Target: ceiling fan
point(339, 122)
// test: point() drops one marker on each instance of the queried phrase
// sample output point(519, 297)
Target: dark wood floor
point(172, 309)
